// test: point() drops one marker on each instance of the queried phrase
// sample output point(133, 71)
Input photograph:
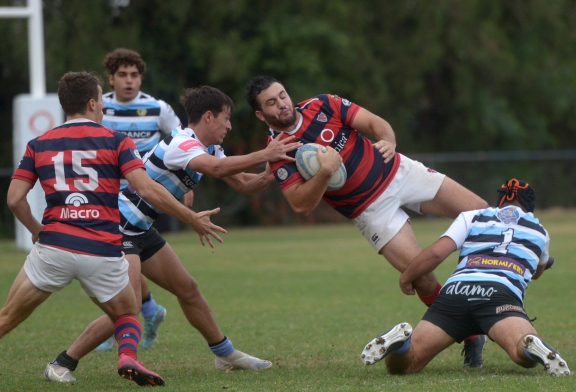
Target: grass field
point(307, 298)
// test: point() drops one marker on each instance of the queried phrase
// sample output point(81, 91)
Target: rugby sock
point(429, 299)
point(63, 359)
point(223, 348)
point(404, 347)
point(127, 333)
point(149, 307)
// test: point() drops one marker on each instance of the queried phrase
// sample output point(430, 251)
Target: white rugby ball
point(308, 166)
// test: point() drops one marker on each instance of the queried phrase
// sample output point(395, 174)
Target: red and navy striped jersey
point(326, 120)
point(79, 165)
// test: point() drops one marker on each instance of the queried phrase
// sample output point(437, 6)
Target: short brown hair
point(122, 56)
point(76, 89)
point(199, 100)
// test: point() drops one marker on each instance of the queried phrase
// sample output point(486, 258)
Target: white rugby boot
point(379, 347)
point(537, 350)
point(240, 360)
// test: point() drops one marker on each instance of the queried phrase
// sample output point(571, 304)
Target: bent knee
point(187, 291)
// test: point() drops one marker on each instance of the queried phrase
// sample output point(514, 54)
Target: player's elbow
point(301, 209)
point(12, 202)
point(218, 170)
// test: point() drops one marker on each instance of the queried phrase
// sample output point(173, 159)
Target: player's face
point(277, 109)
point(126, 82)
point(220, 126)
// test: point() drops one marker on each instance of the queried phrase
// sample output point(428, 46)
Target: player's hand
point(36, 232)
point(278, 148)
point(406, 286)
point(329, 159)
point(386, 148)
point(206, 230)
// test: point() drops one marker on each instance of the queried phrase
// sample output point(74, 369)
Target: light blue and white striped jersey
point(503, 245)
point(145, 119)
point(166, 164)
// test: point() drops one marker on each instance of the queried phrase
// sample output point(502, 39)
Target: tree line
point(449, 75)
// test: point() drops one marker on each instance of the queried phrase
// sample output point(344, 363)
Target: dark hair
point(122, 56)
point(516, 190)
point(76, 89)
point(255, 87)
point(199, 100)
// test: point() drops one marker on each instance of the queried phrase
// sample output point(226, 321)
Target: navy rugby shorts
point(144, 245)
point(471, 308)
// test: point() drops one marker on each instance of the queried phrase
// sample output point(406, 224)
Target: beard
point(281, 123)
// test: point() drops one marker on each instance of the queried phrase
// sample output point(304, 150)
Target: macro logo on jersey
point(77, 200)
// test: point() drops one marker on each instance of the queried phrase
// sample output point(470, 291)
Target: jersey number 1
point(503, 247)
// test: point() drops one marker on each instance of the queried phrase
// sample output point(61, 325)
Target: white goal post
point(34, 113)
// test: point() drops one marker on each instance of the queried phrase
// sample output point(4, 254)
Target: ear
point(208, 116)
point(111, 81)
point(260, 115)
point(91, 105)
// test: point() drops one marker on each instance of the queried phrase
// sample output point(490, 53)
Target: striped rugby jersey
point(79, 165)
point(326, 120)
point(145, 119)
point(503, 245)
point(166, 164)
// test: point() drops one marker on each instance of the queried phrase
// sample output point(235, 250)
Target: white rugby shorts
point(412, 185)
point(50, 269)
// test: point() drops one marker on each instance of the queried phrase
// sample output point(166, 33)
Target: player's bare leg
point(23, 298)
point(165, 269)
point(452, 199)
point(400, 251)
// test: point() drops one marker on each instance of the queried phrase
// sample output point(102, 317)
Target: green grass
point(308, 298)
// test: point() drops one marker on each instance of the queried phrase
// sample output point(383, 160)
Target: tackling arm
point(426, 262)
point(220, 168)
point(250, 183)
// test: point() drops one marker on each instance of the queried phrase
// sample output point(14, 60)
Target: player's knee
point(188, 290)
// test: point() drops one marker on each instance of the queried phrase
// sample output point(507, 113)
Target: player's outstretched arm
point(219, 168)
point(160, 198)
point(251, 183)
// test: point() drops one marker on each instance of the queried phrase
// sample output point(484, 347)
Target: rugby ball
point(307, 165)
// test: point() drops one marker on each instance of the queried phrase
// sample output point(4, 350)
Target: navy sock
point(66, 360)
